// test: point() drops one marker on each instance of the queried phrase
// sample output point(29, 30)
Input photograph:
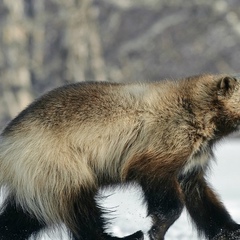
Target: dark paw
point(228, 235)
point(135, 236)
point(157, 233)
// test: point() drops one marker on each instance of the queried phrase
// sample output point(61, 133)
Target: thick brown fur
point(56, 154)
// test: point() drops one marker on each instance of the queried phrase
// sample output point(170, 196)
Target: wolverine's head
point(228, 100)
point(215, 101)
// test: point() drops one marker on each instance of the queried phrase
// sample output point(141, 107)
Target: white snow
point(130, 213)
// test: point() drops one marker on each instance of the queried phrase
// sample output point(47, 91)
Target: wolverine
point(58, 152)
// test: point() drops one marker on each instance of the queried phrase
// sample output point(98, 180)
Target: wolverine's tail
point(44, 176)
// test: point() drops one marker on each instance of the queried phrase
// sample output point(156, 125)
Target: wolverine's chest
point(198, 159)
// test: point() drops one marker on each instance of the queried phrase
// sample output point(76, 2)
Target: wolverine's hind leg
point(15, 224)
point(89, 220)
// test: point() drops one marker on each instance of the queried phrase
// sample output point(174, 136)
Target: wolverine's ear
point(226, 85)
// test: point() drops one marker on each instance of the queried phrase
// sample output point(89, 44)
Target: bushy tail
point(44, 176)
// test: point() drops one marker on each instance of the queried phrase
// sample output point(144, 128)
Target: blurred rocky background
point(47, 43)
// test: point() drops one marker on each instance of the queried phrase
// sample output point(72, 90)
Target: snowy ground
point(130, 214)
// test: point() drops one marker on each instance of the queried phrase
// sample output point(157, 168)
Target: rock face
point(44, 44)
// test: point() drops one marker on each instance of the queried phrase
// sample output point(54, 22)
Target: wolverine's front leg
point(207, 212)
point(164, 204)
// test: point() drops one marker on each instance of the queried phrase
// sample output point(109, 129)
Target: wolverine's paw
point(156, 233)
point(228, 235)
point(135, 236)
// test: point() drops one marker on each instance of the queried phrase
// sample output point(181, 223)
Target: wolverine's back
point(91, 102)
